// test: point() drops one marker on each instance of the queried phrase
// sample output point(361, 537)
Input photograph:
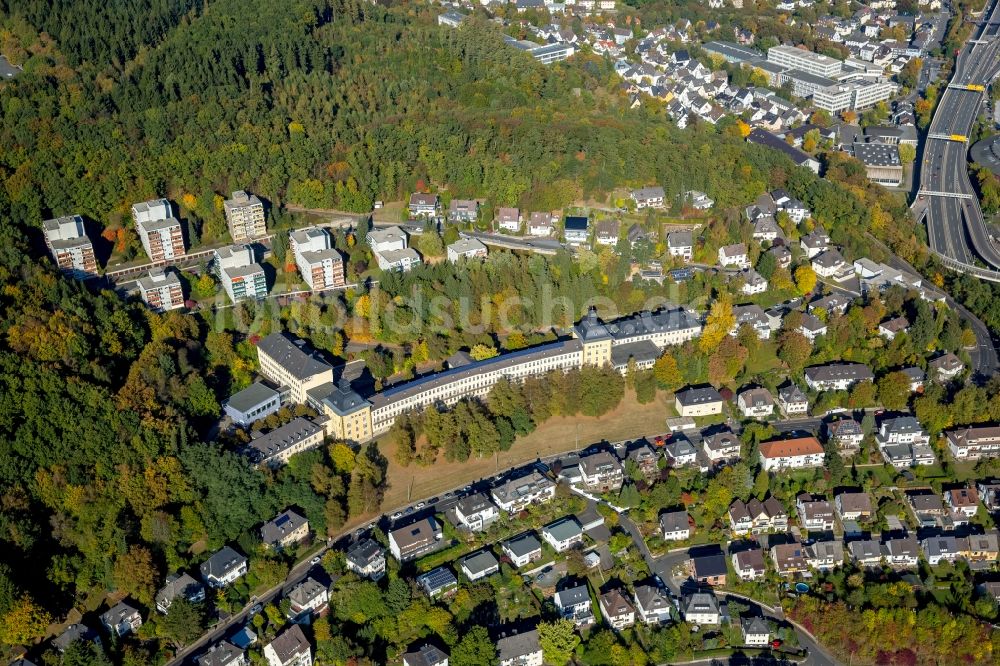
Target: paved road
point(955, 225)
point(664, 566)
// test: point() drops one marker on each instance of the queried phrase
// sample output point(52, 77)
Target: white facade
point(466, 248)
point(319, 263)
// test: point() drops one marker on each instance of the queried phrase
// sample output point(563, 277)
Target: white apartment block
point(450, 386)
point(319, 263)
point(161, 290)
point(70, 247)
point(160, 232)
point(242, 277)
point(244, 216)
point(807, 61)
point(853, 95)
point(391, 249)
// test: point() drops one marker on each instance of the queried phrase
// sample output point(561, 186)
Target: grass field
point(629, 420)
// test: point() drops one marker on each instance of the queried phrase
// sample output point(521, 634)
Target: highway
point(956, 229)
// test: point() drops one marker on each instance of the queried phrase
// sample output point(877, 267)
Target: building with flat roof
point(241, 276)
point(70, 247)
point(244, 216)
point(733, 52)
point(319, 263)
point(804, 83)
point(807, 61)
point(856, 95)
point(160, 232)
point(255, 402)
point(161, 289)
point(882, 163)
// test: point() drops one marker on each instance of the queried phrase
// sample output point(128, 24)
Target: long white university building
point(593, 343)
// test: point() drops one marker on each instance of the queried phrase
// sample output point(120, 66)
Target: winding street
point(664, 566)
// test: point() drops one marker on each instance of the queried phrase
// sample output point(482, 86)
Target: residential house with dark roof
point(749, 564)
point(755, 403)
point(601, 471)
point(426, 655)
point(223, 653)
point(617, 610)
point(574, 604)
point(479, 565)
point(563, 534)
point(310, 596)
point(522, 550)
point(648, 197)
point(415, 540)
point(423, 204)
point(734, 256)
point(179, 585)
point(946, 367)
point(517, 494)
point(645, 459)
point(854, 506)
point(701, 608)
point(652, 606)
point(846, 434)
point(789, 559)
point(476, 512)
point(438, 582)
point(825, 555)
point(756, 631)
point(708, 566)
point(289, 648)
point(973, 443)
point(698, 401)
point(792, 401)
point(721, 447)
point(901, 552)
point(837, 376)
point(680, 244)
point(866, 553)
point(815, 514)
point(675, 525)
point(523, 649)
point(366, 558)
point(286, 529)
point(223, 568)
point(121, 619)
point(940, 548)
